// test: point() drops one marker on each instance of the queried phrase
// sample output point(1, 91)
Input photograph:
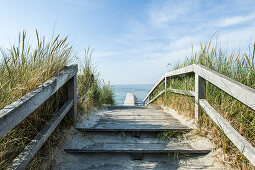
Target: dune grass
point(236, 65)
point(92, 91)
point(24, 67)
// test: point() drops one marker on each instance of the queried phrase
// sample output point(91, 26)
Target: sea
point(120, 92)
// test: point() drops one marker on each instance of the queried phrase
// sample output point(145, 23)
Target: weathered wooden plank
point(130, 100)
point(153, 88)
point(184, 92)
point(135, 128)
point(21, 161)
point(72, 94)
point(230, 86)
point(155, 97)
point(125, 107)
point(137, 125)
point(138, 148)
point(14, 113)
point(184, 70)
point(139, 121)
point(139, 115)
point(142, 117)
point(150, 117)
point(165, 88)
point(238, 140)
point(199, 93)
point(239, 91)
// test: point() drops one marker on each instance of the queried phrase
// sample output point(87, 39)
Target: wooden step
point(110, 123)
point(120, 107)
point(133, 128)
point(146, 148)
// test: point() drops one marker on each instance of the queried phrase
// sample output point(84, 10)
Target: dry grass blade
point(23, 68)
point(238, 115)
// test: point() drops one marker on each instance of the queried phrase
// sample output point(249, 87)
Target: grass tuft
point(240, 67)
point(92, 91)
point(23, 67)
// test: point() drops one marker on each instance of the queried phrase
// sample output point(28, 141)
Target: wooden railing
point(13, 114)
point(241, 92)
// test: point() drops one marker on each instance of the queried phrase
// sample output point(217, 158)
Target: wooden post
point(72, 94)
point(199, 93)
point(165, 88)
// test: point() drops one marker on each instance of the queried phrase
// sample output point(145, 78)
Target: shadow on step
point(125, 161)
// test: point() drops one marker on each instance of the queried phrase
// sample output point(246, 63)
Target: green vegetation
point(25, 66)
point(240, 67)
point(169, 135)
point(92, 91)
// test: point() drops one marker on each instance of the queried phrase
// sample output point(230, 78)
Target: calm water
point(120, 92)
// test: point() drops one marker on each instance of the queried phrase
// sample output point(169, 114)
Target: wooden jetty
point(130, 100)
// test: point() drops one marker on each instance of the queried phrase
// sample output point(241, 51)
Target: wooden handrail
point(13, 114)
point(22, 160)
point(239, 91)
point(17, 111)
point(230, 86)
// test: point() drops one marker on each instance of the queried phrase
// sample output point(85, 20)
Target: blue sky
point(134, 40)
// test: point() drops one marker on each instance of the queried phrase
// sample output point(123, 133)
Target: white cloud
point(168, 11)
point(166, 36)
point(239, 38)
point(230, 21)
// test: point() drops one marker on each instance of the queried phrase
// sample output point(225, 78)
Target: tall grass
point(236, 65)
point(92, 91)
point(24, 67)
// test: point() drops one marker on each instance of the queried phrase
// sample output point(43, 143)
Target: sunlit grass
point(92, 91)
point(235, 65)
point(23, 67)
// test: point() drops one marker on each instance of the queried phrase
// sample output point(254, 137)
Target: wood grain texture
point(155, 97)
point(184, 70)
point(238, 140)
point(72, 94)
point(135, 119)
point(241, 92)
point(153, 88)
point(199, 93)
point(22, 160)
point(138, 148)
point(184, 92)
point(17, 111)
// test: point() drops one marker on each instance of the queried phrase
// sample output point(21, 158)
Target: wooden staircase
point(141, 124)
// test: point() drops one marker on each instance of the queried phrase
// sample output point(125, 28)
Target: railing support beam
point(165, 88)
point(72, 94)
point(199, 93)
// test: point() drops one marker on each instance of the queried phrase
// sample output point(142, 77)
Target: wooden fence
point(239, 91)
point(13, 114)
